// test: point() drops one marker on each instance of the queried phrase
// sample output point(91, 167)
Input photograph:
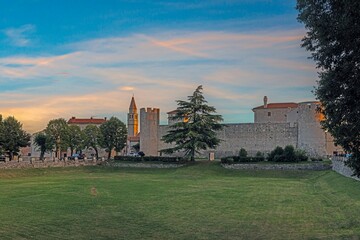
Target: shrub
point(279, 158)
point(150, 159)
point(242, 153)
point(260, 156)
point(277, 151)
point(316, 159)
point(227, 160)
point(301, 155)
point(236, 158)
point(289, 154)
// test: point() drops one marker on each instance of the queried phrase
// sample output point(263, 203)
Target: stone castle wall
point(253, 137)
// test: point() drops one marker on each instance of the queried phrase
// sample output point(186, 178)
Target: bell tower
point(133, 122)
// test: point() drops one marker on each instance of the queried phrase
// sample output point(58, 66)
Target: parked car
point(2, 158)
point(76, 155)
point(133, 154)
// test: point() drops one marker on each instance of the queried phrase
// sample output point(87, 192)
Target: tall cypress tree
point(195, 128)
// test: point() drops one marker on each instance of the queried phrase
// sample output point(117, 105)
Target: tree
point(73, 138)
point(12, 136)
point(44, 142)
point(57, 130)
point(92, 136)
point(333, 38)
point(196, 127)
point(113, 135)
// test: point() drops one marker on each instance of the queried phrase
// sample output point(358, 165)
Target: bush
point(150, 159)
point(301, 155)
point(227, 160)
point(279, 158)
point(277, 151)
point(242, 153)
point(316, 159)
point(260, 156)
point(289, 154)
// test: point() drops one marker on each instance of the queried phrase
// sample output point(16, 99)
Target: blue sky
point(87, 58)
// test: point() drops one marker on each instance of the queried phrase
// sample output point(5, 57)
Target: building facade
point(275, 124)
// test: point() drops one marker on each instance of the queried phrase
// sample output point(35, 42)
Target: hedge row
point(234, 159)
point(150, 159)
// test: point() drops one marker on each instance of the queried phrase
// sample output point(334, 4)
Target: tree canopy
point(113, 135)
point(333, 38)
point(12, 136)
point(92, 136)
point(57, 129)
point(195, 128)
point(44, 143)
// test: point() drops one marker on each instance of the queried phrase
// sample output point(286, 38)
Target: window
point(269, 114)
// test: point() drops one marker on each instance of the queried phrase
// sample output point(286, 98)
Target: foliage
point(243, 153)
point(196, 127)
point(57, 130)
point(301, 155)
point(12, 136)
point(333, 30)
point(73, 138)
point(113, 135)
point(92, 136)
point(277, 151)
point(288, 154)
point(150, 159)
point(238, 159)
point(227, 160)
point(44, 143)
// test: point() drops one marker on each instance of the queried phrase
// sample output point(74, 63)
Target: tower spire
point(132, 107)
point(133, 124)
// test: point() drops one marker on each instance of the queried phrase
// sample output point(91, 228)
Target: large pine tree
point(195, 128)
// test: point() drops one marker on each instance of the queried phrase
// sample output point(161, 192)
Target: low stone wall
point(338, 165)
point(46, 164)
point(143, 165)
point(293, 166)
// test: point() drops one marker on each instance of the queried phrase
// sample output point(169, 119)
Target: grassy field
point(201, 201)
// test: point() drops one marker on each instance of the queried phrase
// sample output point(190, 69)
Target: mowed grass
point(200, 201)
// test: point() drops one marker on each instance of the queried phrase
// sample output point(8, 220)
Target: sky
point(62, 58)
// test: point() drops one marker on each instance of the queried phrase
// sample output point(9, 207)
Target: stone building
point(275, 124)
point(133, 138)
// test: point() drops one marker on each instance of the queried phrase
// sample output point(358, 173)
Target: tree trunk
point(97, 153)
point(42, 153)
point(71, 151)
point(109, 155)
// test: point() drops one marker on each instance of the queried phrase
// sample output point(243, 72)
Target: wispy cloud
point(98, 77)
point(21, 36)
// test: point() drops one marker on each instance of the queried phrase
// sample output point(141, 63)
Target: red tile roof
point(278, 105)
point(74, 120)
point(172, 112)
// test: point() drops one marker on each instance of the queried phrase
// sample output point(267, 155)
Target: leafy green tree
point(196, 127)
point(113, 135)
point(44, 142)
point(73, 138)
point(12, 136)
point(92, 136)
point(333, 30)
point(57, 130)
point(243, 153)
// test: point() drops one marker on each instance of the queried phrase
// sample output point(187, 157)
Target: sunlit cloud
point(98, 77)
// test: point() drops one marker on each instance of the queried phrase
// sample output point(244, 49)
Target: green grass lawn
point(200, 201)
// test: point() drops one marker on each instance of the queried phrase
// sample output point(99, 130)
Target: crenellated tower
point(133, 119)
